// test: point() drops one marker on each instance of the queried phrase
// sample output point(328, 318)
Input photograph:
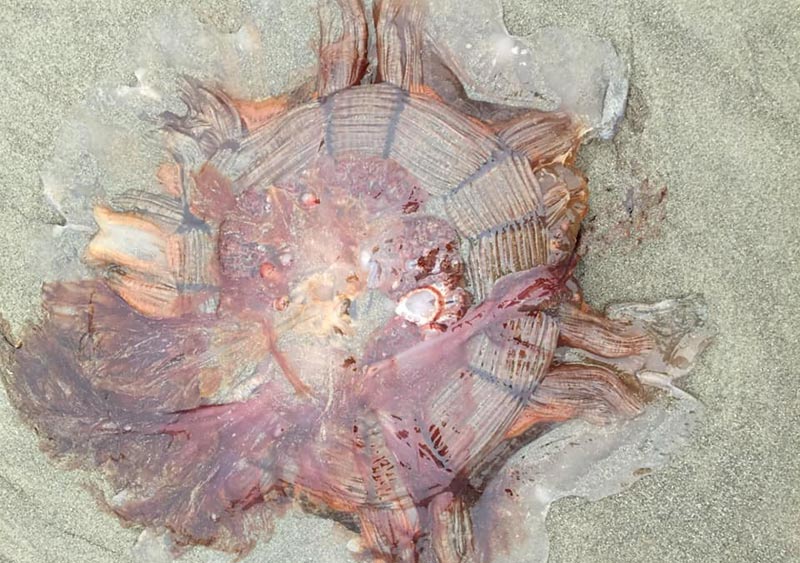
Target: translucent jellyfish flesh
point(358, 297)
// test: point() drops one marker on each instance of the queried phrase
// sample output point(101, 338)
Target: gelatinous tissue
point(354, 299)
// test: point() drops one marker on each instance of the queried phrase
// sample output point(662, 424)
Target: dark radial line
point(327, 112)
point(496, 158)
point(511, 389)
point(400, 103)
point(512, 224)
point(192, 286)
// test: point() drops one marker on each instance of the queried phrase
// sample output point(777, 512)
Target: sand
point(713, 117)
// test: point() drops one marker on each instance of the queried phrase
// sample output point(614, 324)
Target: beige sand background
point(714, 116)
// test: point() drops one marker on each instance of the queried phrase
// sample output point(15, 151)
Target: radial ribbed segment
point(544, 137)
point(439, 146)
point(166, 211)
point(503, 371)
point(504, 190)
point(361, 120)
point(282, 146)
point(537, 220)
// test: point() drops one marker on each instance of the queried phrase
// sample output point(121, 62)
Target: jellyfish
point(358, 298)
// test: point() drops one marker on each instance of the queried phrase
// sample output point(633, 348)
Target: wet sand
point(713, 117)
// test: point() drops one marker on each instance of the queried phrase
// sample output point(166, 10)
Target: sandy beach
point(713, 116)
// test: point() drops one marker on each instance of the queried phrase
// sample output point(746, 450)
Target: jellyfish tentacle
point(451, 529)
point(606, 361)
point(543, 137)
point(155, 403)
point(343, 62)
point(589, 330)
point(399, 39)
point(390, 535)
point(166, 365)
point(211, 119)
point(591, 392)
point(396, 534)
point(602, 359)
point(212, 131)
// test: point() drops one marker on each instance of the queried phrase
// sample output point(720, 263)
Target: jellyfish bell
point(358, 297)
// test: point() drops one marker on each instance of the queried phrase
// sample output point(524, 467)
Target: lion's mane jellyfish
point(358, 297)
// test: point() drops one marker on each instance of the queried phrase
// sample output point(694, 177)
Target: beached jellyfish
point(359, 297)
